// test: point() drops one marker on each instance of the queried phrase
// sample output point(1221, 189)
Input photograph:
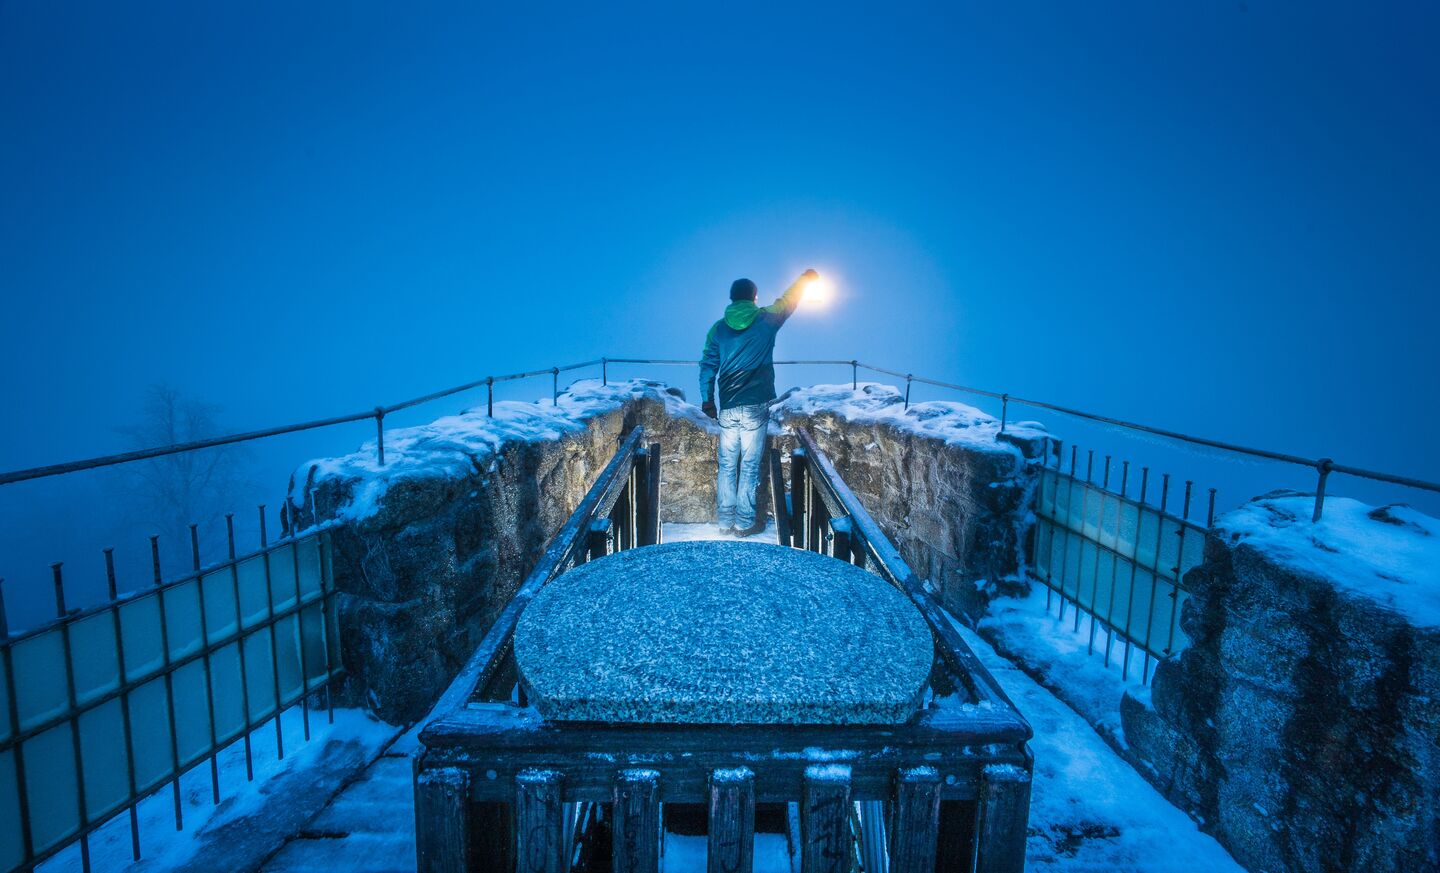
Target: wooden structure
point(499, 788)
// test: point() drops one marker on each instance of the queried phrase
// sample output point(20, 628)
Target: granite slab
point(723, 632)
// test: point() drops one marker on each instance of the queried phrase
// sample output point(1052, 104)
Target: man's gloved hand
point(708, 407)
point(809, 274)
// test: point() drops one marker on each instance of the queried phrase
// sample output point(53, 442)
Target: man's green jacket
point(740, 349)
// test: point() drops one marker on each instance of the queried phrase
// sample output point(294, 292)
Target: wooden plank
point(956, 851)
point(840, 546)
point(827, 843)
point(799, 492)
point(652, 518)
point(731, 847)
point(916, 828)
point(442, 822)
point(539, 823)
point(600, 540)
point(636, 846)
point(1004, 816)
point(777, 497)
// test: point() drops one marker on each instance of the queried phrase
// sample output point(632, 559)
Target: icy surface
point(1390, 554)
point(456, 445)
point(877, 403)
point(1089, 810)
point(1069, 661)
point(164, 848)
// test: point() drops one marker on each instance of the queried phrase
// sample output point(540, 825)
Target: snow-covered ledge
point(437, 540)
point(1301, 724)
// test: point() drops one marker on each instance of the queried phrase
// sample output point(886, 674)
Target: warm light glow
point(819, 292)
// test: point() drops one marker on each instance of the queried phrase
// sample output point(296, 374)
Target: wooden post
point(917, 821)
point(840, 547)
point(1004, 813)
point(799, 492)
point(636, 829)
point(732, 821)
point(777, 497)
point(599, 542)
point(442, 825)
point(651, 535)
point(538, 825)
point(827, 844)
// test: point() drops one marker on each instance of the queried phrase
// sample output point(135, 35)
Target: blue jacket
point(740, 349)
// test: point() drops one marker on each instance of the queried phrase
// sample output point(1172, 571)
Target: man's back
point(740, 348)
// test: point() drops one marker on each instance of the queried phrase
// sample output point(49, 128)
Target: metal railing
point(155, 682)
point(1120, 560)
point(1323, 467)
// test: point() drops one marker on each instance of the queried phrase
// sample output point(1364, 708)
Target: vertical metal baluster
point(1084, 516)
point(300, 640)
point(205, 660)
point(1069, 507)
point(240, 643)
point(270, 628)
point(8, 665)
point(490, 396)
point(1004, 410)
point(1095, 570)
point(1134, 571)
point(907, 391)
point(854, 375)
point(82, 814)
point(1322, 466)
point(1039, 504)
point(1155, 577)
point(111, 588)
point(555, 386)
point(1210, 513)
point(326, 598)
point(604, 371)
point(1115, 562)
point(169, 682)
point(380, 433)
point(1179, 562)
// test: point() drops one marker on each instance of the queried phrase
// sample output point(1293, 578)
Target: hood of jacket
point(741, 314)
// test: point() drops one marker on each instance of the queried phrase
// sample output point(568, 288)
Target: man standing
point(739, 355)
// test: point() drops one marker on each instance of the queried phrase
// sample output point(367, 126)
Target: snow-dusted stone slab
point(723, 632)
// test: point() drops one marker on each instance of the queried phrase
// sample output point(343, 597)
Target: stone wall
point(1302, 725)
point(430, 552)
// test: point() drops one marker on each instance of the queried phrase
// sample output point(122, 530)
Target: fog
point(1217, 220)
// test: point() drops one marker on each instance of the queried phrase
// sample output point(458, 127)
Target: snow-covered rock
point(1301, 722)
point(436, 540)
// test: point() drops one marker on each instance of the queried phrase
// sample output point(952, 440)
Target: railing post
point(604, 371)
point(777, 497)
point(490, 396)
point(826, 841)
point(636, 829)
point(538, 814)
point(442, 820)
point(380, 433)
point(907, 390)
point(917, 821)
point(599, 541)
point(854, 375)
point(799, 490)
point(1210, 513)
point(732, 821)
point(555, 385)
point(1004, 800)
point(1323, 466)
point(1004, 410)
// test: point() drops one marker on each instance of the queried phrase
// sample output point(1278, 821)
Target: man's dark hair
point(743, 289)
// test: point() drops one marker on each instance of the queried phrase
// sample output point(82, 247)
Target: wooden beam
point(539, 823)
point(916, 829)
point(652, 500)
point(777, 497)
point(442, 822)
point(636, 829)
point(1004, 815)
point(827, 843)
point(599, 539)
point(732, 820)
point(799, 491)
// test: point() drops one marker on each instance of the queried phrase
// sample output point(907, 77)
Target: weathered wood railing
point(498, 787)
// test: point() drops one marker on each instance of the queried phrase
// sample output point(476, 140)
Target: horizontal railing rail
point(1323, 467)
point(155, 682)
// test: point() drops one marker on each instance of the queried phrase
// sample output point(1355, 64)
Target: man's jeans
point(742, 443)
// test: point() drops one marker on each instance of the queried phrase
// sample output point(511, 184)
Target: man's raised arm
point(785, 306)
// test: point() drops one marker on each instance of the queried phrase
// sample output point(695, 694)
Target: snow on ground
point(454, 444)
point(1070, 663)
point(1089, 809)
point(675, 532)
point(877, 403)
point(1390, 554)
point(164, 848)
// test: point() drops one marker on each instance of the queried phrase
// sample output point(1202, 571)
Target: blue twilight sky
point(1215, 217)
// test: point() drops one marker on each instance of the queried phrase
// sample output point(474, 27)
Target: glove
point(809, 274)
point(708, 407)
